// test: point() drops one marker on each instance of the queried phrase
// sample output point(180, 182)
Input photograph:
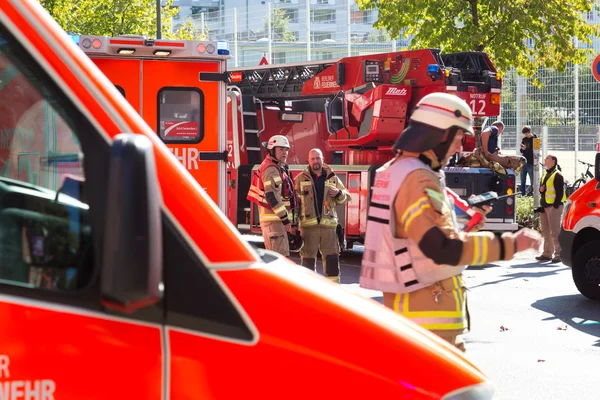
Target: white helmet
point(432, 116)
point(277, 141)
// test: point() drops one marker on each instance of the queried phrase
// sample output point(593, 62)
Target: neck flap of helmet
point(437, 155)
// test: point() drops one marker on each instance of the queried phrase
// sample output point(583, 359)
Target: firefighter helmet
point(277, 141)
point(296, 242)
point(433, 115)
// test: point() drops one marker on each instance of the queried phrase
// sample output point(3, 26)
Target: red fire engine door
point(188, 115)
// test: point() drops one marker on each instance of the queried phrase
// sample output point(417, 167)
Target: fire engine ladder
point(251, 128)
point(279, 81)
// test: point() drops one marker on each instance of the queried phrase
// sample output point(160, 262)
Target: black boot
point(310, 263)
point(331, 267)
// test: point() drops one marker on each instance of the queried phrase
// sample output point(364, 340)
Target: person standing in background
point(527, 151)
point(553, 198)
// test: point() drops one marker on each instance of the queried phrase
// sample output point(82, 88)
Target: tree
point(115, 17)
point(378, 36)
point(279, 25)
point(503, 29)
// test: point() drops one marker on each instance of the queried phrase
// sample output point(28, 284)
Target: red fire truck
point(354, 109)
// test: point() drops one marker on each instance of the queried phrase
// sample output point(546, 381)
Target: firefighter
point(272, 190)
point(319, 191)
point(413, 251)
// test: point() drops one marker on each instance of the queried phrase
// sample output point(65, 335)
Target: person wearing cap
point(414, 252)
point(319, 191)
point(272, 190)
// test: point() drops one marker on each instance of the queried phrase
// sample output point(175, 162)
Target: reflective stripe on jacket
point(306, 193)
point(271, 189)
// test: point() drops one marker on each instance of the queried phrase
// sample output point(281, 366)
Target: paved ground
point(532, 332)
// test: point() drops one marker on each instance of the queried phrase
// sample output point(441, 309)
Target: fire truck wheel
point(586, 270)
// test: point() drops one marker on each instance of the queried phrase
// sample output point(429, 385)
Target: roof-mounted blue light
point(222, 47)
point(433, 68)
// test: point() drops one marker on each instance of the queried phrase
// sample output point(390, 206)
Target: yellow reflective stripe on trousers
point(435, 320)
point(414, 210)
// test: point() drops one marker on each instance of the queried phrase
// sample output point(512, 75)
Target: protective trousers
point(440, 308)
point(325, 240)
point(550, 221)
point(275, 237)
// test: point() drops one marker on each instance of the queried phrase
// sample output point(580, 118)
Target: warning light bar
point(137, 46)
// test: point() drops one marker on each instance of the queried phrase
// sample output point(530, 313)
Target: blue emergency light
point(433, 69)
point(74, 38)
point(222, 47)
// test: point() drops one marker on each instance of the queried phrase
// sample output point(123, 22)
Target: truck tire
point(586, 270)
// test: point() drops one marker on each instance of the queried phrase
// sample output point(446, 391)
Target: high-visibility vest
point(392, 264)
point(550, 192)
point(256, 193)
point(396, 265)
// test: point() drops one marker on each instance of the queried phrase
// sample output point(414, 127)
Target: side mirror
point(132, 270)
point(597, 167)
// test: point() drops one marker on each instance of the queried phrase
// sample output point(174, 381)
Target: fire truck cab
point(354, 109)
point(579, 236)
point(120, 278)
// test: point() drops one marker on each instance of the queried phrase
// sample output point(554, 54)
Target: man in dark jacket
point(527, 151)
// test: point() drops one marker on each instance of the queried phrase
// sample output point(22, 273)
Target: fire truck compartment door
point(189, 116)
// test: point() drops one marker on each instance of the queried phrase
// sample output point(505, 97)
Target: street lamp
point(158, 27)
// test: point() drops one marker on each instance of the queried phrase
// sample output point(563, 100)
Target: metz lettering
point(188, 157)
point(396, 92)
point(38, 389)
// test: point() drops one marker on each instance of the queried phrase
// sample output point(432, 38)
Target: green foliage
point(500, 28)
point(116, 17)
point(525, 216)
point(279, 25)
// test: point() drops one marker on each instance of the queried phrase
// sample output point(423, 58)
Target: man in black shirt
point(527, 151)
point(319, 191)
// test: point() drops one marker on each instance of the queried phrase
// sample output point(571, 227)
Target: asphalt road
point(532, 332)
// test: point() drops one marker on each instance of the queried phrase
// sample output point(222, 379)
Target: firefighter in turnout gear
point(319, 191)
point(272, 190)
point(414, 252)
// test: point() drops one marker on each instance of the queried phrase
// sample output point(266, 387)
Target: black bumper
point(566, 239)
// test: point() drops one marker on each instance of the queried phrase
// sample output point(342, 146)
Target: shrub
point(526, 218)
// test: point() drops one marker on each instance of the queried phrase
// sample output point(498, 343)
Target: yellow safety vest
point(550, 193)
